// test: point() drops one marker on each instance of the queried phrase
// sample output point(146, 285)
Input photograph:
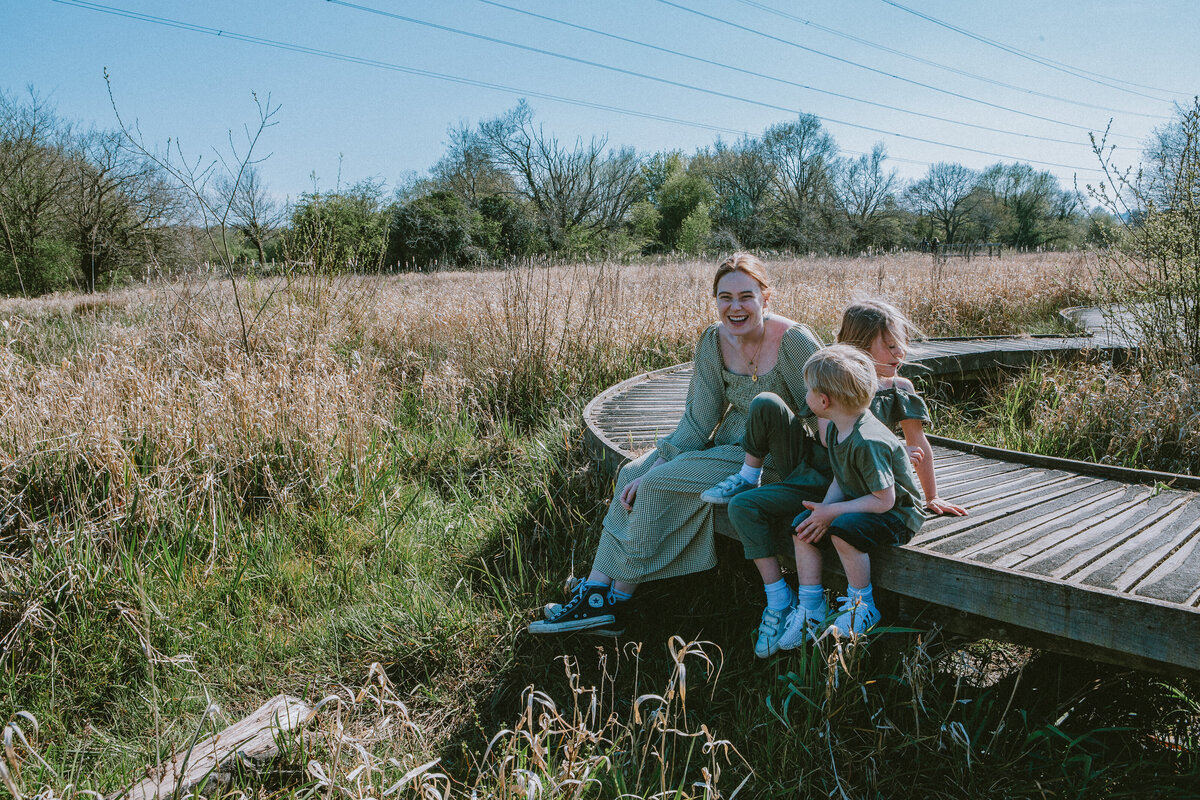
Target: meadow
point(360, 490)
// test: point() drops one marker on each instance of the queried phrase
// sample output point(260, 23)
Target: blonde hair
point(867, 319)
point(843, 372)
point(748, 263)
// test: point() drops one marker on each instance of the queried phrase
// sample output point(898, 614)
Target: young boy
point(872, 502)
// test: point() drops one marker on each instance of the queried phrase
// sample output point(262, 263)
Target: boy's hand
point(812, 524)
point(916, 455)
point(939, 506)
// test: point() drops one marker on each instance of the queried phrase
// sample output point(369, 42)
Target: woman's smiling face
point(740, 303)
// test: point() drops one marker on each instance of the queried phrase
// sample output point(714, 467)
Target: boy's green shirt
point(871, 458)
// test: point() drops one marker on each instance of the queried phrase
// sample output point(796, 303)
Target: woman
point(657, 526)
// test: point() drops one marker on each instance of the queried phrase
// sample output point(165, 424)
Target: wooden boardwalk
point(1093, 560)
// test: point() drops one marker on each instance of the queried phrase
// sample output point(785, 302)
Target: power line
point(1078, 72)
point(937, 65)
point(785, 81)
point(692, 87)
point(360, 60)
point(370, 62)
point(852, 63)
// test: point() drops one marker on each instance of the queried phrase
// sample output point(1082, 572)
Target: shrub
point(1153, 268)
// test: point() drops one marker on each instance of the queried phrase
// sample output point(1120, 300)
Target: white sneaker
point(727, 489)
point(803, 623)
point(770, 629)
point(856, 617)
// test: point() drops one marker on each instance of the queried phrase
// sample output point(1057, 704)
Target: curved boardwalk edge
point(1090, 559)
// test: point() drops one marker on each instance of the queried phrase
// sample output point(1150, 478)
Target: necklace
point(754, 361)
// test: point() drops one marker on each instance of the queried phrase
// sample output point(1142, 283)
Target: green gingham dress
point(669, 532)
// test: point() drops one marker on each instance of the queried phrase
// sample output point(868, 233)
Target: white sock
point(779, 595)
point(751, 474)
point(865, 594)
point(811, 596)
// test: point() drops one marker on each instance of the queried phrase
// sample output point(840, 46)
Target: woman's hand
point(939, 506)
point(629, 493)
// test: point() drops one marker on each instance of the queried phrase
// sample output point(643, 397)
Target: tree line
point(90, 208)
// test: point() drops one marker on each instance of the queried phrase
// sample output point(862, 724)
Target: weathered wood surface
point(1096, 559)
point(253, 739)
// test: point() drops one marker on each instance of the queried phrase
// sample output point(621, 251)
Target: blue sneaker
point(856, 617)
point(803, 623)
point(727, 489)
point(770, 630)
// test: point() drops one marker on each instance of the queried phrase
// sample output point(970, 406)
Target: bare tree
point(945, 196)
point(213, 210)
point(742, 176)
point(867, 194)
point(467, 169)
point(35, 170)
point(802, 154)
point(579, 188)
point(120, 205)
point(252, 210)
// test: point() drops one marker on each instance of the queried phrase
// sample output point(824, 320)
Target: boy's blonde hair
point(843, 372)
point(864, 320)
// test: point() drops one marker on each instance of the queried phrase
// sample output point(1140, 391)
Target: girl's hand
point(812, 525)
point(916, 455)
point(939, 506)
point(629, 493)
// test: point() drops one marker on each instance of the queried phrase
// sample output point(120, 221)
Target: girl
point(879, 329)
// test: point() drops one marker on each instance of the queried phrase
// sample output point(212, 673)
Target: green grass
point(426, 554)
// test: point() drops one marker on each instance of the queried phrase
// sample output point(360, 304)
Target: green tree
point(681, 193)
point(694, 233)
point(803, 156)
point(433, 228)
point(340, 232)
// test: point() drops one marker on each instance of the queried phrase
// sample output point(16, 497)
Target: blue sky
point(375, 120)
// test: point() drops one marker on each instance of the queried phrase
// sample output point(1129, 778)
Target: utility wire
point(303, 49)
point(682, 85)
point(937, 65)
point(744, 71)
point(1078, 72)
point(849, 62)
point(370, 62)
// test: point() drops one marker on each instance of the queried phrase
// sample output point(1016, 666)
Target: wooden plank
point(252, 739)
point(1124, 567)
point(1166, 633)
point(1175, 578)
point(1017, 541)
point(960, 532)
point(1075, 555)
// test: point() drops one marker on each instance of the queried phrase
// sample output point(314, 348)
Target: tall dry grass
point(148, 394)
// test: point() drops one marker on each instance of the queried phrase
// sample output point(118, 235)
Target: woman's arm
point(705, 404)
point(915, 438)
